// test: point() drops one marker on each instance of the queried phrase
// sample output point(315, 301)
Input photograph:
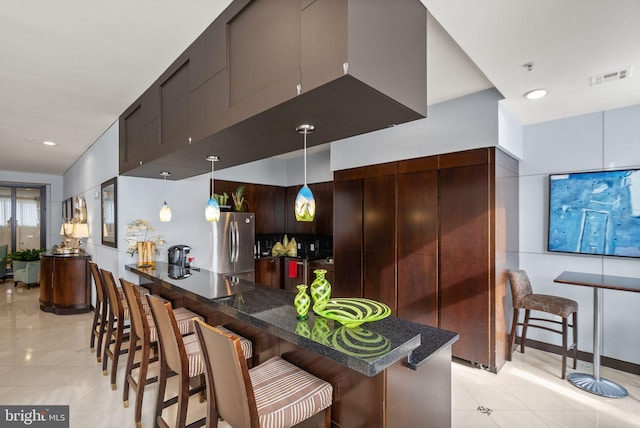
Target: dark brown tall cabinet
point(431, 237)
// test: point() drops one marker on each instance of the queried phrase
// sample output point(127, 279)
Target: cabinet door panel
point(347, 238)
point(174, 107)
point(464, 256)
point(323, 192)
point(263, 55)
point(268, 272)
point(207, 106)
point(324, 42)
point(70, 279)
point(269, 208)
point(46, 282)
point(417, 229)
point(379, 228)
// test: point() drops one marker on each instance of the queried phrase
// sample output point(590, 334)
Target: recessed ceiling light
point(48, 143)
point(535, 94)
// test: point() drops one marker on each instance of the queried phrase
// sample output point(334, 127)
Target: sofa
point(26, 272)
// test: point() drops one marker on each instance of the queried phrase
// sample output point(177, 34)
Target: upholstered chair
point(560, 307)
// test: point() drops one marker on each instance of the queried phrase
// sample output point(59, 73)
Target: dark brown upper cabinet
point(264, 67)
point(139, 130)
point(175, 89)
point(263, 44)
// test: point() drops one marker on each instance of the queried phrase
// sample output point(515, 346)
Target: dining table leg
point(594, 383)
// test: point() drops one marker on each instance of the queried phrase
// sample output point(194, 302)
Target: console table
point(594, 383)
point(65, 283)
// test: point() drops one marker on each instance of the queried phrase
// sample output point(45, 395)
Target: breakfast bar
point(382, 371)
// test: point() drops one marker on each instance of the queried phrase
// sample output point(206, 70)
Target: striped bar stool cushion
point(184, 319)
point(194, 355)
point(245, 344)
point(286, 395)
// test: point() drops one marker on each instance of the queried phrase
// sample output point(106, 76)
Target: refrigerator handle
point(237, 242)
point(232, 245)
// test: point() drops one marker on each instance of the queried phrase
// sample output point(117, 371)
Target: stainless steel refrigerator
point(233, 240)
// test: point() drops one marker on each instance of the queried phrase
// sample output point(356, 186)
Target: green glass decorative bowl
point(351, 312)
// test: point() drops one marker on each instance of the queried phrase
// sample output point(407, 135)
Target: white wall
point(464, 123)
point(606, 140)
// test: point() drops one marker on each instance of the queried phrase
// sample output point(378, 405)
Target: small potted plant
point(24, 256)
point(223, 201)
point(239, 201)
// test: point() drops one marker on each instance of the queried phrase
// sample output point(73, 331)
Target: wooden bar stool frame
point(117, 334)
point(173, 361)
point(100, 313)
point(139, 331)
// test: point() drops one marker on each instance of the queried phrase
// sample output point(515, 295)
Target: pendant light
point(165, 211)
point(212, 212)
point(305, 206)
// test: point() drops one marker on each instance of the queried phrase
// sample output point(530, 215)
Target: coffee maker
point(178, 255)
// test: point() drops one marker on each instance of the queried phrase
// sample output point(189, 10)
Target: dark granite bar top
point(367, 349)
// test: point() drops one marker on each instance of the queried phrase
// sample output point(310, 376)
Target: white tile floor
point(45, 359)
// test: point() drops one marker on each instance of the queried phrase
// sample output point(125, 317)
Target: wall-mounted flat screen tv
point(595, 213)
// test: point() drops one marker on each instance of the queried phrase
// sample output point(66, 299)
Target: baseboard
point(613, 363)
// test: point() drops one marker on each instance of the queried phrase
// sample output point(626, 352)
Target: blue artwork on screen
point(595, 213)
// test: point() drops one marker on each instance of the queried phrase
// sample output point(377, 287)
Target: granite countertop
point(367, 349)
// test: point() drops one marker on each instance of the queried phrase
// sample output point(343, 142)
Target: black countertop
point(367, 349)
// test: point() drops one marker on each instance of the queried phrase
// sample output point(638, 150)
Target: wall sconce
point(305, 205)
point(165, 210)
point(212, 212)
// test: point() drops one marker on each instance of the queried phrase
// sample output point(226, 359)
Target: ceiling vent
point(599, 79)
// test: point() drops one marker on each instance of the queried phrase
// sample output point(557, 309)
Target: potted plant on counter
point(239, 201)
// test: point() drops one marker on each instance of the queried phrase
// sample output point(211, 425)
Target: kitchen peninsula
point(385, 373)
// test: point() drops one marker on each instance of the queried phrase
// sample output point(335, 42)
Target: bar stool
point(118, 329)
point(99, 324)
point(179, 356)
point(523, 298)
point(101, 311)
point(143, 332)
point(274, 394)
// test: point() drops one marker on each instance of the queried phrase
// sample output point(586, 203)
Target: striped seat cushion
point(142, 292)
point(286, 395)
point(194, 355)
point(125, 308)
point(184, 319)
point(245, 344)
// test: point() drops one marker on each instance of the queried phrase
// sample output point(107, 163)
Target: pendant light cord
point(212, 182)
point(305, 157)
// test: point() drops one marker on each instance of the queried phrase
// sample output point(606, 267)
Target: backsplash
point(309, 246)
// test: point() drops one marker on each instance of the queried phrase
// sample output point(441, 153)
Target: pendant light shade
point(305, 205)
point(165, 210)
point(212, 211)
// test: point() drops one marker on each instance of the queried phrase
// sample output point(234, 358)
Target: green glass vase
point(320, 288)
point(302, 302)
